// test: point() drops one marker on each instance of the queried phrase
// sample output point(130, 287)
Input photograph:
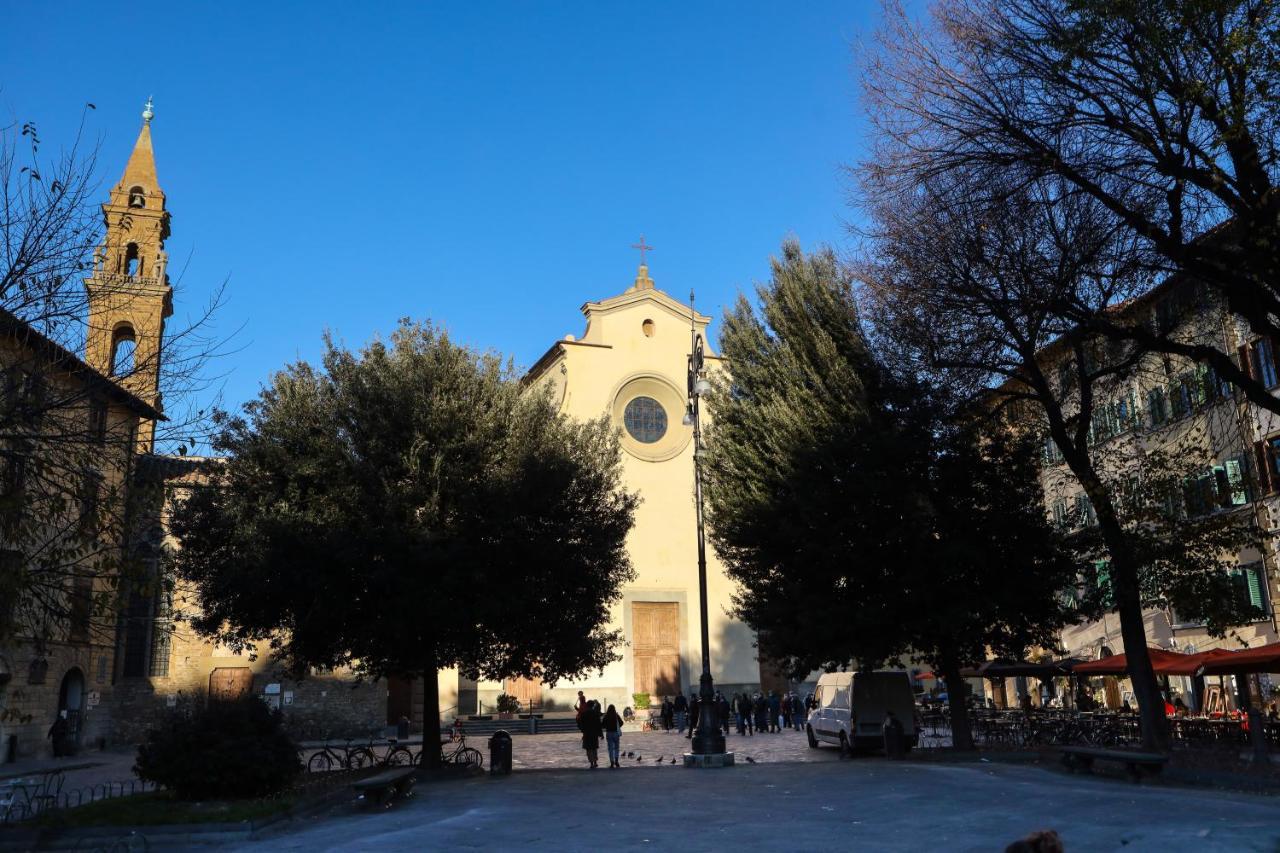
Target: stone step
point(545, 725)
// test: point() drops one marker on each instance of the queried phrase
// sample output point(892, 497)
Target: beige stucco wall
point(598, 374)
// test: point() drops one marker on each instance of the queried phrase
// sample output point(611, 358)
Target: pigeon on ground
point(639, 758)
point(673, 761)
point(750, 760)
point(659, 759)
point(630, 754)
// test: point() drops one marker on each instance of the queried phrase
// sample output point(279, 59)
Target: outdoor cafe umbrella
point(1164, 663)
point(1260, 659)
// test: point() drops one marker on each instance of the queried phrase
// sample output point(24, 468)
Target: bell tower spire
point(128, 290)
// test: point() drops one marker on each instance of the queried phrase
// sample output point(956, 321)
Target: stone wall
point(27, 710)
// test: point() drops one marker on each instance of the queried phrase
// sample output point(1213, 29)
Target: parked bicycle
point(347, 757)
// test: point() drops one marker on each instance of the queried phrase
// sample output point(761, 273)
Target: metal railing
point(25, 798)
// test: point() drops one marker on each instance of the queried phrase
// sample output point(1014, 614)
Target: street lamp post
point(708, 739)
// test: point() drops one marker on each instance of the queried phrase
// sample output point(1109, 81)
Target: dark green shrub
point(220, 750)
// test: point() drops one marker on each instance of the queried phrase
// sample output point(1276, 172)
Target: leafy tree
point(1164, 112)
point(407, 508)
point(965, 286)
point(863, 515)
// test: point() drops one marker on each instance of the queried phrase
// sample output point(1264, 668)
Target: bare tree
point(1164, 112)
point(69, 446)
point(965, 283)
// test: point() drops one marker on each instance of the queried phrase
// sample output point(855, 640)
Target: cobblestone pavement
point(564, 751)
point(827, 804)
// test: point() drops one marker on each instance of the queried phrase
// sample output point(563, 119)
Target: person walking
point(761, 707)
point(724, 710)
point(612, 725)
point(667, 714)
point(695, 710)
point(681, 706)
point(786, 710)
point(590, 723)
point(775, 711)
point(737, 713)
point(746, 713)
point(58, 734)
point(799, 711)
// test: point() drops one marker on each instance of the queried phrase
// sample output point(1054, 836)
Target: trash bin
point(893, 735)
point(500, 753)
point(402, 729)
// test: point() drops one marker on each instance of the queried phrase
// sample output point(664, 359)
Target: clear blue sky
point(485, 165)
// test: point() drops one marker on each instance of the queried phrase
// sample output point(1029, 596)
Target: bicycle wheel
point(360, 758)
point(399, 757)
point(320, 763)
point(469, 757)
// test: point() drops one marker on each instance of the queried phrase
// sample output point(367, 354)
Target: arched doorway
point(71, 707)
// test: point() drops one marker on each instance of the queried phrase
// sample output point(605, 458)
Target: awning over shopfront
point(1225, 662)
point(1019, 669)
point(1164, 663)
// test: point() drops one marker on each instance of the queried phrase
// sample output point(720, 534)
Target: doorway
point(655, 629)
point(71, 706)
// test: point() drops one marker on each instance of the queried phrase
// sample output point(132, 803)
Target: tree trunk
point(1153, 724)
point(958, 701)
point(430, 710)
point(1146, 689)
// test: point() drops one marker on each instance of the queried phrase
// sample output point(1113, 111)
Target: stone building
point(68, 447)
point(1226, 449)
point(631, 363)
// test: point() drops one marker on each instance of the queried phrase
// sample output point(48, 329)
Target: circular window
point(645, 420)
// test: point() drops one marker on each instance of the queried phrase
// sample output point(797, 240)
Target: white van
point(852, 707)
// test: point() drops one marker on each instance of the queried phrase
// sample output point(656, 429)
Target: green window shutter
point(1254, 578)
point(1103, 569)
point(1236, 483)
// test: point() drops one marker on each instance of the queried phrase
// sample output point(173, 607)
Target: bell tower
point(128, 292)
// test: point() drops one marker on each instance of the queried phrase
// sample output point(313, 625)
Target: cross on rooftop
point(643, 247)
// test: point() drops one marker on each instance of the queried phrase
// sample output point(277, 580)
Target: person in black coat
point(695, 710)
point(592, 730)
point(681, 706)
point(762, 713)
point(745, 723)
point(667, 714)
point(722, 708)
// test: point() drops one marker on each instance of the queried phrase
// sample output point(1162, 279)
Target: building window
point(123, 347)
point(161, 636)
point(645, 420)
point(1157, 407)
point(80, 610)
point(132, 260)
point(97, 421)
point(1251, 588)
point(1267, 458)
point(1258, 360)
point(1085, 516)
point(1061, 519)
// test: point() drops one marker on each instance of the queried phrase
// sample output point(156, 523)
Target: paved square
point(818, 803)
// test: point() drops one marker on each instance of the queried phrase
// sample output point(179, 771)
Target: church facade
point(631, 364)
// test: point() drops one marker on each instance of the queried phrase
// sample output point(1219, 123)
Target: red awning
point(1193, 663)
point(1164, 663)
point(1261, 659)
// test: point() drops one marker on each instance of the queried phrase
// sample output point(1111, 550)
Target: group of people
point(594, 725)
point(752, 713)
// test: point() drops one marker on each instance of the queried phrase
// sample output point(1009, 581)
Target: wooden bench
point(386, 786)
point(1082, 758)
